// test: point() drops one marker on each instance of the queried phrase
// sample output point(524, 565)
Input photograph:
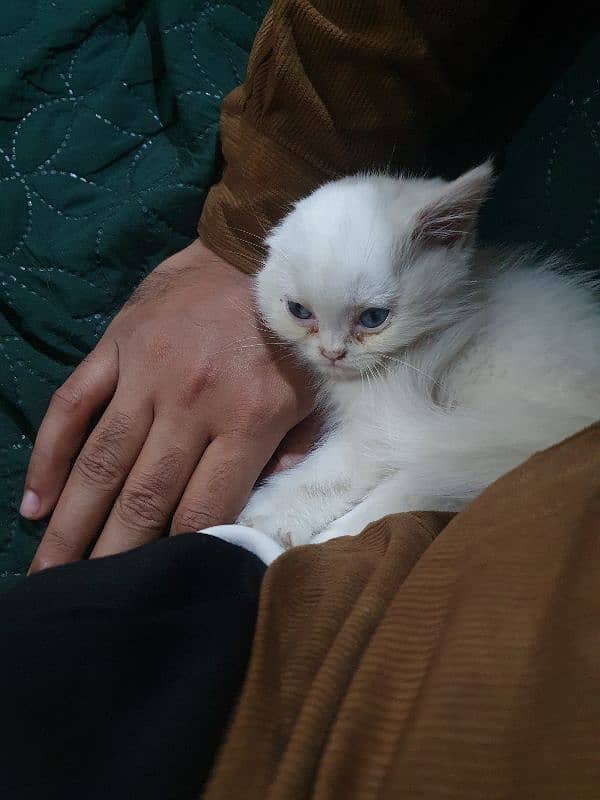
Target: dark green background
point(108, 143)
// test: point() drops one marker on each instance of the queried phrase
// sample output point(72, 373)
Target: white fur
point(486, 357)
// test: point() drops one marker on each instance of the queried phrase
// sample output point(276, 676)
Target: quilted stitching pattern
point(108, 143)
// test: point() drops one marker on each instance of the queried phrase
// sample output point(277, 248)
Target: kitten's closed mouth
point(339, 370)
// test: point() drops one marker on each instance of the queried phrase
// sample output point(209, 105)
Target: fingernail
point(30, 504)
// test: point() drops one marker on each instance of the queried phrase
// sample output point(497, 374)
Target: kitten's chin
point(338, 372)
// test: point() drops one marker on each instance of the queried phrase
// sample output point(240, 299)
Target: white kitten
point(443, 366)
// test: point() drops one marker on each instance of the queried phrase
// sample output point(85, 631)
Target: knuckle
point(220, 477)
point(195, 518)
point(146, 504)
point(99, 463)
point(68, 397)
point(116, 428)
point(139, 508)
point(257, 401)
point(257, 413)
point(197, 384)
point(285, 403)
point(58, 542)
point(167, 471)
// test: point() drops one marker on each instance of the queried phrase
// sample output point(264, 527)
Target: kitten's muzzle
point(332, 355)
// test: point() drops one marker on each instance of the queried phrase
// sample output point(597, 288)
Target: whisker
point(253, 315)
point(249, 313)
point(259, 242)
point(404, 363)
point(255, 240)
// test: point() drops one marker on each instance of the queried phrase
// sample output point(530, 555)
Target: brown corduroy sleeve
point(334, 87)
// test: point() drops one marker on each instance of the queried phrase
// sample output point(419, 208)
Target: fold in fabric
point(434, 658)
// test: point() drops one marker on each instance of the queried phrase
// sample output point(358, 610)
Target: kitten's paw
point(282, 527)
point(281, 531)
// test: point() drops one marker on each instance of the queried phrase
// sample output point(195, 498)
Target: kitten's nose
point(332, 355)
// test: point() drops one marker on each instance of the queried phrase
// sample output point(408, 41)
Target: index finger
point(222, 482)
point(95, 481)
point(63, 430)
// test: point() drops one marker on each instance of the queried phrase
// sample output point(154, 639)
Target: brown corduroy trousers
point(433, 657)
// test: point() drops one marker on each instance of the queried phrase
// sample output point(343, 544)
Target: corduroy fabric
point(401, 665)
point(334, 87)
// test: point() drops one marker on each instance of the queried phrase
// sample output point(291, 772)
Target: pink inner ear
point(452, 216)
point(444, 223)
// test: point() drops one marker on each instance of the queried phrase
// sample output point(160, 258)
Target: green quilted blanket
point(108, 142)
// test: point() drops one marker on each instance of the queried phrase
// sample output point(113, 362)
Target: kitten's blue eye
point(298, 310)
point(373, 317)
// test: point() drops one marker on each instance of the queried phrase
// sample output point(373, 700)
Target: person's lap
point(427, 658)
point(118, 674)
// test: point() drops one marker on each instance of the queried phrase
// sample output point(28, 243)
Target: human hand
point(196, 400)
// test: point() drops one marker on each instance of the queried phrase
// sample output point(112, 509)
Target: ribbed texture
point(384, 666)
point(334, 87)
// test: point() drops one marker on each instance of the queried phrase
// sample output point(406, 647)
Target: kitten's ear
point(452, 216)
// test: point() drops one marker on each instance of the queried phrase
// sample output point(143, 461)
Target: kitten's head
point(366, 265)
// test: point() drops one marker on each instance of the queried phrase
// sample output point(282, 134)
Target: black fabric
point(119, 674)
